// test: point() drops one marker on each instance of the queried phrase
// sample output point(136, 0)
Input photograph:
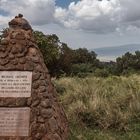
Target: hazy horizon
point(112, 52)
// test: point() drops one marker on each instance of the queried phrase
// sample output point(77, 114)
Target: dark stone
point(35, 103)
point(29, 101)
point(42, 89)
point(13, 41)
point(4, 42)
point(14, 62)
point(29, 66)
point(36, 76)
point(4, 62)
point(20, 55)
point(46, 113)
point(40, 119)
point(35, 59)
point(11, 56)
point(14, 50)
point(42, 128)
point(19, 67)
point(38, 136)
point(43, 83)
point(33, 117)
point(3, 55)
point(39, 68)
point(22, 61)
point(46, 103)
point(36, 85)
point(20, 36)
point(53, 125)
point(52, 137)
point(56, 137)
point(3, 48)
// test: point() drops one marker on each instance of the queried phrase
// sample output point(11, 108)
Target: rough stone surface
point(19, 52)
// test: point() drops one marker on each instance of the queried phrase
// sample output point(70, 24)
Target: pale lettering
point(15, 83)
point(14, 121)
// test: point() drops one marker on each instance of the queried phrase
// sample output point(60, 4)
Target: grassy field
point(101, 108)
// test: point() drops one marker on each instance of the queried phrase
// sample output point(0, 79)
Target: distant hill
point(111, 53)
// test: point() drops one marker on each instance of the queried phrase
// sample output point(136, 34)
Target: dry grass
point(102, 103)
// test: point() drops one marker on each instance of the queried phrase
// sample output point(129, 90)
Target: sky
point(80, 23)
point(65, 3)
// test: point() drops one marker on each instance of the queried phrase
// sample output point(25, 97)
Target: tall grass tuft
point(102, 103)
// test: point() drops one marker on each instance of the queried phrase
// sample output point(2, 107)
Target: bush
point(111, 103)
point(101, 73)
point(78, 69)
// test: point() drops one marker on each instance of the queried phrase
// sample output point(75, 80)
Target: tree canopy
point(63, 60)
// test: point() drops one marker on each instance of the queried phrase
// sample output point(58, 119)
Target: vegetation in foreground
point(101, 108)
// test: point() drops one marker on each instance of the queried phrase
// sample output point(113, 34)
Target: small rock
point(46, 103)
point(38, 136)
point(29, 101)
point(13, 41)
point(35, 59)
point(35, 85)
point(3, 62)
point(40, 119)
point(20, 55)
point(29, 66)
point(42, 89)
point(35, 103)
point(14, 50)
point(22, 61)
point(20, 36)
point(3, 55)
point(4, 42)
point(53, 125)
point(36, 76)
point(11, 56)
point(42, 128)
point(46, 113)
point(19, 67)
point(14, 62)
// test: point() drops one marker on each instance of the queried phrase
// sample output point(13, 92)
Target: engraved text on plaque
point(15, 83)
point(14, 121)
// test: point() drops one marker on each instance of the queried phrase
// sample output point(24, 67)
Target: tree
point(128, 62)
point(66, 58)
point(50, 48)
point(82, 55)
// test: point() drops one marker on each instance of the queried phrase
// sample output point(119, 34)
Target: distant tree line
point(61, 60)
point(128, 63)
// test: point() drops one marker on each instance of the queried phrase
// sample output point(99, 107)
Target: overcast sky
point(80, 23)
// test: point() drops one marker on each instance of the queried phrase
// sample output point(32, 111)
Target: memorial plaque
point(14, 121)
point(29, 109)
point(15, 83)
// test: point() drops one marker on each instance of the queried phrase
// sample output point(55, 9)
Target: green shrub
point(81, 69)
point(101, 72)
point(102, 108)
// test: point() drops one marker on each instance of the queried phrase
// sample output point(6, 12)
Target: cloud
point(39, 12)
point(3, 19)
point(98, 16)
point(92, 15)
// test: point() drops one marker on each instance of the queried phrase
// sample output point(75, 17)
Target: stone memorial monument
point(29, 109)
